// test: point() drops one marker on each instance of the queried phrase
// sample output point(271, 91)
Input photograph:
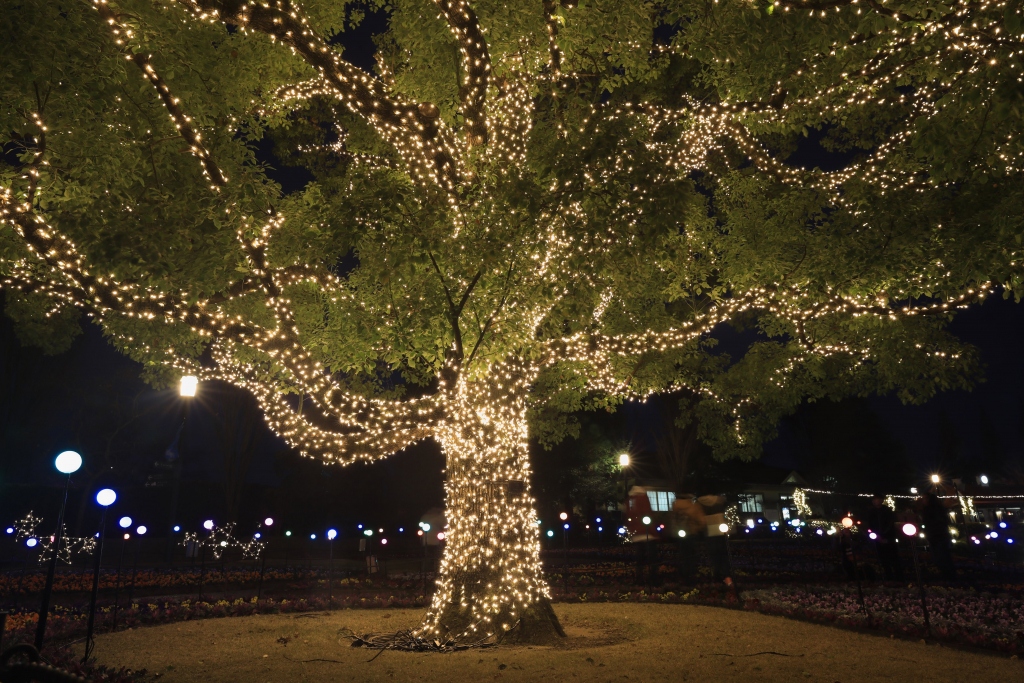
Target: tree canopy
point(523, 209)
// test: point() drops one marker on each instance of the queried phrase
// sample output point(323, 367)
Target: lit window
point(661, 501)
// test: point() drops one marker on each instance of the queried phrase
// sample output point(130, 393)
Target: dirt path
point(607, 642)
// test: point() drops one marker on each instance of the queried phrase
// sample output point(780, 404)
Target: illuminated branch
point(476, 61)
point(414, 129)
point(552, 23)
point(181, 122)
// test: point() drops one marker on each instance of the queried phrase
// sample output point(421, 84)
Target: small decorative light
point(127, 536)
point(724, 528)
point(983, 479)
point(682, 534)
point(31, 543)
point(564, 516)
point(550, 533)
point(125, 522)
point(269, 521)
point(872, 535)
point(1002, 525)
point(646, 520)
point(426, 527)
point(359, 526)
point(141, 531)
point(995, 534)
point(565, 526)
point(909, 529)
point(600, 528)
point(287, 533)
point(420, 532)
point(440, 535)
point(10, 529)
point(622, 530)
point(106, 497)
point(598, 520)
point(913, 489)
point(312, 537)
point(208, 525)
point(401, 529)
point(367, 532)
point(383, 541)
point(257, 535)
point(332, 534)
point(177, 528)
point(68, 462)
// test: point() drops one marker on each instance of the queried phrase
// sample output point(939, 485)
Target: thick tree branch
point(476, 62)
point(181, 121)
point(413, 128)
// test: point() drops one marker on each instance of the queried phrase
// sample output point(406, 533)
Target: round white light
point(564, 516)
point(257, 535)
point(872, 535)
point(909, 529)
point(598, 520)
point(383, 541)
point(647, 520)
point(127, 536)
point(622, 529)
point(106, 497)
point(177, 528)
point(269, 521)
point(332, 534)
point(223, 544)
point(440, 535)
point(141, 530)
point(935, 479)
point(188, 385)
point(426, 527)
point(68, 462)
point(208, 525)
point(31, 543)
point(847, 522)
point(984, 479)
point(723, 528)
point(550, 533)
point(312, 537)
point(995, 534)
point(682, 534)
point(125, 522)
point(565, 526)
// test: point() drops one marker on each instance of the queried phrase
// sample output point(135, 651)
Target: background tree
point(524, 211)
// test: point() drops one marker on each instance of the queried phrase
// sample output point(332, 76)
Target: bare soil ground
point(607, 642)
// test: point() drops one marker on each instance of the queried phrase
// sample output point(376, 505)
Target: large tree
point(525, 209)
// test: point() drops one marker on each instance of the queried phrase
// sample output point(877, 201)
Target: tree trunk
point(490, 585)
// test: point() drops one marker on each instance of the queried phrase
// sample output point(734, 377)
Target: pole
point(423, 568)
point(565, 559)
point(117, 586)
point(860, 590)
point(330, 573)
point(24, 564)
point(135, 571)
point(920, 586)
point(263, 569)
point(95, 588)
point(202, 572)
point(44, 607)
point(176, 482)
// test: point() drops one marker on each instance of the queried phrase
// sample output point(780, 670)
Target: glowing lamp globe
point(188, 385)
point(550, 533)
point(127, 536)
point(647, 520)
point(565, 526)
point(872, 535)
point(141, 531)
point(332, 534)
point(124, 522)
point(682, 534)
point(426, 527)
point(312, 537)
point(257, 535)
point(723, 528)
point(31, 543)
point(287, 533)
point(995, 534)
point(208, 525)
point(440, 535)
point(106, 497)
point(269, 521)
point(401, 529)
point(383, 541)
point(847, 522)
point(983, 479)
point(622, 530)
point(177, 528)
point(68, 462)
point(598, 520)
point(564, 516)
point(935, 479)
point(10, 529)
point(624, 460)
point(420, 532)
point(909, 529)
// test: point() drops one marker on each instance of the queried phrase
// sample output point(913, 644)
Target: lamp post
point(331, 535)
point(565, 551)
point(208, 525)
point(105, 498)
point(647, 550)
point(910, 531)
point(67, 463)
point(124, 523)
point(187, 391)
point(141, 531)
point(268, 522)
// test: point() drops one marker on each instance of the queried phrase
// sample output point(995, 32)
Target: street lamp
point(935, 479)
point(331, 535)
point(105, 498)
point(910, 530)
point(67, 463)
point(188, 386)
point(187, 390)
point(141, 531)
